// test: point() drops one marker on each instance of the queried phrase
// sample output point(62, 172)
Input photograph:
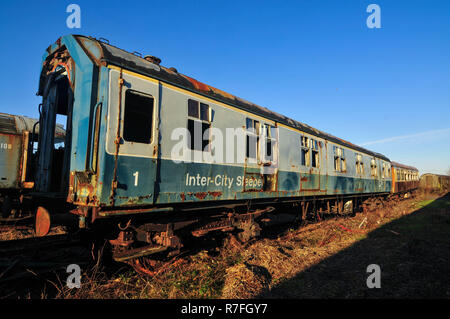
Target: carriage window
point(309, 152)
point(340, 164)
point(199, 121)
point(305, 151)
point(359, 164)
point(270, 140)
point(386, 170)
point(373, 168)
point(252, 137)
point(315, 153)
point(138, 117)
point(193, 109)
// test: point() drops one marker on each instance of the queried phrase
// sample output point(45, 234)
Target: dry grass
point(27, 232)
point(320, 260)
point(244, 281)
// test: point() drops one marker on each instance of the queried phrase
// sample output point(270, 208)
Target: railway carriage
point(16, 136)
point(434, 183)
point(122, 110)
point(124, 116)
point(404, 178)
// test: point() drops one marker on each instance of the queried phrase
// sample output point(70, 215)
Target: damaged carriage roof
point(115, 56)
point(17, 124)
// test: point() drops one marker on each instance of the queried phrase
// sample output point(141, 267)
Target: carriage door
point(261, 164)
point(53, 149)
point(269, 157)
point(310, 161)
point(132, 137)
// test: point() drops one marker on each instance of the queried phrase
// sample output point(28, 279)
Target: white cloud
point(434, 133)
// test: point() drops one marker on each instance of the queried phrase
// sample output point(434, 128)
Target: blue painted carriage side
point(191, 182)
point(169, 179)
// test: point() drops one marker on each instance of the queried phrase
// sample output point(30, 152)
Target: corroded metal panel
point(10, 160)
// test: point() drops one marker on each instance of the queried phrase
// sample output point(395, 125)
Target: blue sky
point(315, 61)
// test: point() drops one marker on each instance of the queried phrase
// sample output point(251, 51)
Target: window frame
point(373, 167)
point(199, 119)
point(305, 151)
point(115, 108)
point(122, 133)
point(269, 129)
point(253, 131)
point(386, 170)
point(340, 157)
point(359, 163)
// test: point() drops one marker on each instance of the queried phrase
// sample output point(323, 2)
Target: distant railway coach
point(434, 182)
point(404, 178)
point(16, 135)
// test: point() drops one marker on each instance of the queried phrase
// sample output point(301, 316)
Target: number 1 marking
point(136, 177)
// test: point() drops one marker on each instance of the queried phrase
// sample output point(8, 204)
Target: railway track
point(34, 256)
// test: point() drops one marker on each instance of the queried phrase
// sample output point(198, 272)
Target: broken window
point(252, 138)
point(309, 152)
point(199, 121)
point(373, 168)
point(386, 170)
point(314, 153)
point(138, 117)
point(305, 154)
point(339, 159)
point(271, 135)
point(359, 164)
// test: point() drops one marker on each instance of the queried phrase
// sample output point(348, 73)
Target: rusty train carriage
point(121, 111)
point(17, 134)
point(404, 178)
point(434, 182)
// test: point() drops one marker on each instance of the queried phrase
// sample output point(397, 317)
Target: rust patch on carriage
point(197, 84)
point(201, 195)
point(215, 194)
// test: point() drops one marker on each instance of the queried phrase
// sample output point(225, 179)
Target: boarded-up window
point(138, 117)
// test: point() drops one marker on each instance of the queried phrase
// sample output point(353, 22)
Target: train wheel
point(42, 222)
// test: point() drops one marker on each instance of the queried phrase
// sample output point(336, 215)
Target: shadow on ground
point(413, 253)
